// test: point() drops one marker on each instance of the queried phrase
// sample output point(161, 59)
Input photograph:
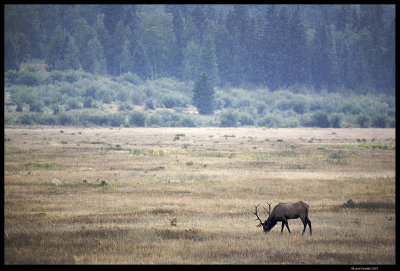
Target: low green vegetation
point(84, 99)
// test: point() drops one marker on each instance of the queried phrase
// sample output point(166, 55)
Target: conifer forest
point(138, 65)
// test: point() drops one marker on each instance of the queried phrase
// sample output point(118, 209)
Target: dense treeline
point(347, 48)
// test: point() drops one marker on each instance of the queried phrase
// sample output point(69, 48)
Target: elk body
point(284, 211)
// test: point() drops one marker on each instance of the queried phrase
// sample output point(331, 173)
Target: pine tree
point(141, 65)
point(178, 25)
point(203, 95)
point(191, 61)
point(55, 50)
point(71, 54)
point(126, 58)
point(297, 66)
point(208, 60)
point(83, 34)
point(10, 53)
point(96, 62)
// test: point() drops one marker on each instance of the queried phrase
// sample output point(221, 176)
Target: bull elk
point(284, 211)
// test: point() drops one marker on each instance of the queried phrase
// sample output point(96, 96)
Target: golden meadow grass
point(186, 195)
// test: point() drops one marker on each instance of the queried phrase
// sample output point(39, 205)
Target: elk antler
point(269, 209)
point(258, 218)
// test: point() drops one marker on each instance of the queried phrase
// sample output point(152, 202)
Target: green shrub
point(125, 106)
point(71, 76)
point(168, 118)
point(29, 78)
point(270, 120)
point(87, 118)
point(88, 102)
point(91, 92)
point(36, 105)
point(245, 119)
point(137, 98)
point(335, 120)
point(153, 120)
point(379, 121)
point(27, 119)
point(363, 120)
point(243, 102)
point(45, 119)
point(130, 77)
point(11, 76)
point(56, 76)
point(123, 95)
point(137, 119)
point(149, 104)
point(319, 119)
point(56, 108)
point(261, 108)
point(66, 118)
point(73, 103)
point(116, 120)
point(172, 100)
point(228, 118)
point(187, 122)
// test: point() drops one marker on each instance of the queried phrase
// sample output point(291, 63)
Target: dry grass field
point(186, 195)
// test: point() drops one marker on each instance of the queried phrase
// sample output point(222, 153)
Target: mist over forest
point(200, 65)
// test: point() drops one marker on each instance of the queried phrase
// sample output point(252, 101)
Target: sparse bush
point(349, 204)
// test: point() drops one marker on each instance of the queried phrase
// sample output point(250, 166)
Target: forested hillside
point(270, 65)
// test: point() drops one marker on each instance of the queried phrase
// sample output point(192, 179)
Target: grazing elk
point(284, 211)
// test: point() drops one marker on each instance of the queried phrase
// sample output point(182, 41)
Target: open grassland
point(186, 195)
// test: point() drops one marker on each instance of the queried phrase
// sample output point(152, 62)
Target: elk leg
point(305, 225)
point(287, 226)
point(309, 224)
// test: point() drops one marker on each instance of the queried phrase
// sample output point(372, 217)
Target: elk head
point(267, 224)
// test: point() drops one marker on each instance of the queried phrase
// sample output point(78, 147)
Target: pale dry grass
point(101, 195)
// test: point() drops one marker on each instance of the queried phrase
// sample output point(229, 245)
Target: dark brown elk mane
point(284, 211)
